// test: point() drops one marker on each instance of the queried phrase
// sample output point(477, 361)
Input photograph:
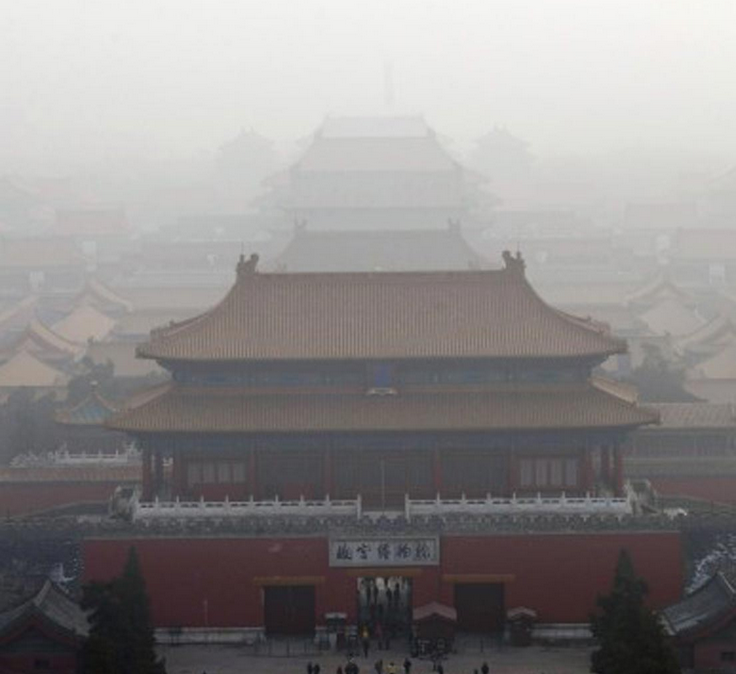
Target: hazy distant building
point(378, 250)
point(374, 173)
point(690, 453)
point(43, 265)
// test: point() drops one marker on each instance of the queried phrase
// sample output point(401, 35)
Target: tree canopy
point(658, 380)
point(630, 636)
point(121, 639)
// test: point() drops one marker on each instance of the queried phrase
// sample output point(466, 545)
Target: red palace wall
point(20, 663)
point(718, 489)
point(196, 582)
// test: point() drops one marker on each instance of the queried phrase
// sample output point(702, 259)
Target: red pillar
point(178, 476)
point(512, 481)
point(146, 478)
point(252, 478)
point(437, 470)
point(606, 473)
point(587, 483)
point(327, 473)
point(618, 457)
point(158, 472)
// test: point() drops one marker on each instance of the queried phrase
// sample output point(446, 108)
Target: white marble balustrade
point(532, 505)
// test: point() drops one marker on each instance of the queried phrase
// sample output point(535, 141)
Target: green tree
point(630, 637)
point(121, 639)
point(659, 380)
point(27, 425)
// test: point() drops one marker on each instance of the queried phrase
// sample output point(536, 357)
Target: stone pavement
point(234, 660)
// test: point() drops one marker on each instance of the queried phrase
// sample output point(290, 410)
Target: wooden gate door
point(480, 607)
point(289, 609)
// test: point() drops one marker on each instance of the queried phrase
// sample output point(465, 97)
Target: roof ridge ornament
point(247, 267)
point(514, 263)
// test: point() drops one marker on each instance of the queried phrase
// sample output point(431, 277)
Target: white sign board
point(394, 551)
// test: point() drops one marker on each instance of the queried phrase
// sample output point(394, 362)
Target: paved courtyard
point(229, 660)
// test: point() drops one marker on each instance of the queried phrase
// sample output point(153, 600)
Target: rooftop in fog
point(349, 316)
point(388, 126)
point(380, 250)
point(419, 154)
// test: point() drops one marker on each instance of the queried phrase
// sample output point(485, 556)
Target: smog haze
point(93, 81)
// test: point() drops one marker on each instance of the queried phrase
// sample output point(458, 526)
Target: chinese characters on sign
point(407, 551)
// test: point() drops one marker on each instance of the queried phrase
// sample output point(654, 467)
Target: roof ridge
point(487, 310)
point(42, 593)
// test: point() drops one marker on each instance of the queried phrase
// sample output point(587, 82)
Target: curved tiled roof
point(50, 604)
point(92, 411)
point(237, 410)
point(703, 609)
point(24, 370)
point(343, 316)
point(689, 416)
point(41, 339)
point(83, 324)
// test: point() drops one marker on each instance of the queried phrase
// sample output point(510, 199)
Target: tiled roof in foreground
point(342, 316)
point(193, 409)
point(54, 607)
point(701, 610)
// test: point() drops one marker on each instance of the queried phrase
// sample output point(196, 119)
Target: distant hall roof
point(379, 126)
point(357, 316)
point(392, 155)
point(383, 250)
point(23, 370)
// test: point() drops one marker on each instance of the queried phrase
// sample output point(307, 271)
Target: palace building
point(327, 436)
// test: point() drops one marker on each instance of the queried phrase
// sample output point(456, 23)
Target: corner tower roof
point(357, 316)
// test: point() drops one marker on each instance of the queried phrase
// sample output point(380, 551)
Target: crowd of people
point(390, 667)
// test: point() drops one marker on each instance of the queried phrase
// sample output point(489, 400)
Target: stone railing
point(529, 505)
point(537, 505)
point(227, 509)
point(62, 457)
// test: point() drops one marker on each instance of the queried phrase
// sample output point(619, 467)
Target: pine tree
point(629, 635)
point(121, 639)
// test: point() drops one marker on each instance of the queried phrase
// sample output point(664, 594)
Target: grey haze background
point(108, 80)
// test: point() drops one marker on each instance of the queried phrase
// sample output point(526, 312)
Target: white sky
point(170, 78)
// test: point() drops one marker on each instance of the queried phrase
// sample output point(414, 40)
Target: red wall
point(707, 655)
point(208, 582)
point(22, 663)
point(719, 489)
point(22, 498)
point(560, 575)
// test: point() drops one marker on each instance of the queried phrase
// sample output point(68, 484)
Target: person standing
point(407, 666)
point(485, 668)
point(310, 668)
point(365, 638)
